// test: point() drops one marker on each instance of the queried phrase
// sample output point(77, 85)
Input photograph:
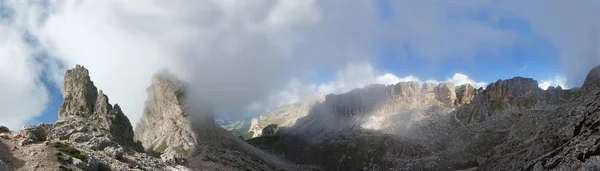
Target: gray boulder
point(33, 134)
point(116, 153)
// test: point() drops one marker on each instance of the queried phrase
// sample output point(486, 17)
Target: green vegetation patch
point(162, 146)
point(182, 151)
point(249, 135)
point(71, 151)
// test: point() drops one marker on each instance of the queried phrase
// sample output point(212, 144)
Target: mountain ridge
point(442, 123)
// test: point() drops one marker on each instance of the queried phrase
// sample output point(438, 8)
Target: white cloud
point(559, 80)
point(354, 75)
point(22, 95)
point(230, 51)
point(357, 75)
point(460, 79)
point(388, 79)
point(235, 52)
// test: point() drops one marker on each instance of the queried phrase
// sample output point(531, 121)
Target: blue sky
point(530, 56)
point(402, 38)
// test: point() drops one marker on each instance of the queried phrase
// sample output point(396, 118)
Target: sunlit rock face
point(465, 94)
point(86, 111)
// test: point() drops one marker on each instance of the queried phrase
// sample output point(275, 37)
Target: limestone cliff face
point(517, 93)
point(394, 108)
point(465, 94)
point(384, 99)
point(86, 110)
point(511, 89)
point(165, 126)
point(446, 94)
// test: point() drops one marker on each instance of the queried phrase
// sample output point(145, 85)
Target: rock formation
point(169, 128)
point(271, 130)
point(373, 98)
point(4, 129)
point(89, 134)
point(165, 127)
point(512, 94)
point(86, 116)
point(592, 80)
point(446, 94)
point(511, 89)
point(464, 94)
point(512, 124)
point(580, 149)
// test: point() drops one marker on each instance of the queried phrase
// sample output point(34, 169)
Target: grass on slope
point(71, 151)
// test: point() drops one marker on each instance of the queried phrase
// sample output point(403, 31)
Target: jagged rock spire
point(79, 93)
point(85, 110)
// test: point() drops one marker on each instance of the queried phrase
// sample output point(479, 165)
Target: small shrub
point(71, 151)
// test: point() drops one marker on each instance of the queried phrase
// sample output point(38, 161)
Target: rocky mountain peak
point(86, 110)
point(511, 88)
point(79, 93)
point(165, 127)
point(400, 96)
point(593, 79)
